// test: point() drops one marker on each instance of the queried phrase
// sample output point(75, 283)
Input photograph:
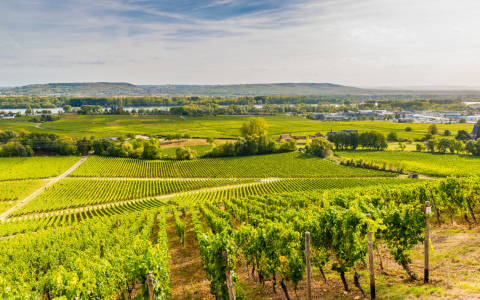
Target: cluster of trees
point(452, 145)
point(319, 147)
point(253, 141)
point(36, 141)
point(15, 149)
point(177, 136)
point(372, 140)
point(252, 145)
point(134, 148)
point(44, 118)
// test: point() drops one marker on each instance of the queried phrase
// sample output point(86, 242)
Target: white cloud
point(367, 43)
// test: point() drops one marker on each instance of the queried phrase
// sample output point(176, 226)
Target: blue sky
point(351, 42)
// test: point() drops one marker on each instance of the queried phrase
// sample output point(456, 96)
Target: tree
point(443, 145)
point(447, 132)
point(7, 135)
point(420, 147)
point(462, 120)
point(210, 140)
point(151, 150)
point(470, 147)
point(458, 146)
point(170, 137)
point(463, 135)
point(256, 126)
point(432, 144)
point(29, 110)
point(67, 108)
point(178, 136)
point(433, 129)
point(408, 129)
point(187, 136)
point(392, 136)
point(290, 145)
point(372, 117)
point(185, 153)
point(402, 146)
point(363, 117)
point(320, 147)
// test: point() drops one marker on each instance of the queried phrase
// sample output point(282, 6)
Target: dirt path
point(187, 275)
point(40, 190)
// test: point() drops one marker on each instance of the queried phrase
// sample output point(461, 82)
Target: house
point(474, 131)
point(299, 137)
point(285, 137)
point(318, 134)
point(344, 131)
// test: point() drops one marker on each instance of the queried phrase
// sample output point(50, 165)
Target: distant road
point(43, 188)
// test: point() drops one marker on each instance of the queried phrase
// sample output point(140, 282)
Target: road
point(32, 196)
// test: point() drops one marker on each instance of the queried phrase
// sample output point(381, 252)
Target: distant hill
point(273, 89)
point(258, 89)
point(65, 89)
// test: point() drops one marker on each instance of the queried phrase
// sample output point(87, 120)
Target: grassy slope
point(427, 163)
point(34, 167)
point(293, 164)
point(218, 127)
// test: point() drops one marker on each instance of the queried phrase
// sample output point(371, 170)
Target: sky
point(370, 43)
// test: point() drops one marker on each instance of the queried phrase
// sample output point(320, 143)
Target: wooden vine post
point(231, 293)
point(435, 207)
point(370, 261)
point(150, 286)
point(308, 267)
point(426, 243)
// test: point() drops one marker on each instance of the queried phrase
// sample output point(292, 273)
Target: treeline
point(134, 148)
point(405, 102)
point(251, 145)
point(372, 140)
point(431, 104)
point(24, 144)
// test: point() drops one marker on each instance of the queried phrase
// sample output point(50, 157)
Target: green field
point(293, 164)
point(72, 192)
point(13, 191)
point(283, 186)
point(201, 149)
point(426, 163)
point(34, 167)
point(218, 126)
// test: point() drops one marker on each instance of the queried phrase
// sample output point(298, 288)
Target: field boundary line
point(160, 197)
point(32, 196)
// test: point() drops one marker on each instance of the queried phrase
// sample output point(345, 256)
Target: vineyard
point(14, 168)
point(11, 191)
point(268, 232)
point(292, 164)
point(280, 186)
point(426, 163)
point(86, 192)
point(71, 217)
point(218, 126)
point(100, 258)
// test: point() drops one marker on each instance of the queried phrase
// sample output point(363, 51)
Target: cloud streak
point(368, 42)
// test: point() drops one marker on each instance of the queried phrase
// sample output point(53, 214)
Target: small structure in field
point(285, 137)
point(413, 175)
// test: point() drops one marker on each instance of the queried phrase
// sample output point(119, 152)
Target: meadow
point(293, 164)
point(14, 168)
point(435, 164)
point(224, 126)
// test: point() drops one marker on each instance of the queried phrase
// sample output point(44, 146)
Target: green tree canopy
point(256, 126)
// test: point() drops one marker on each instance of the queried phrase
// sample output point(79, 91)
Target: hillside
point(89, 88)
point(273, 89)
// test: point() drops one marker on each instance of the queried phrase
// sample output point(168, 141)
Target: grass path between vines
point(188, 279)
